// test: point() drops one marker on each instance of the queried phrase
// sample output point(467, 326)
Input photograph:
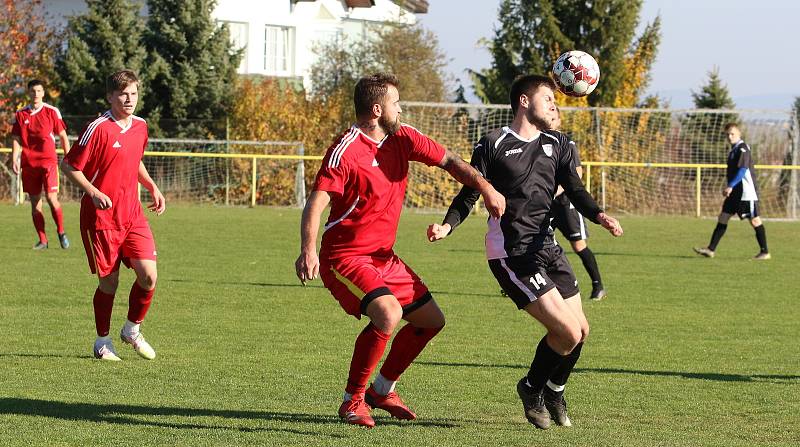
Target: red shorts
point(357, 280)
point(105, 249)
point(36, 178)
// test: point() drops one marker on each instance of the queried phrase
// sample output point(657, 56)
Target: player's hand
point(495, 202)
point(15, 165)
point(159, 204)
point(610, 224)
point(437, 232)
point(727, 191)
point(101, 201)
point(307, 266)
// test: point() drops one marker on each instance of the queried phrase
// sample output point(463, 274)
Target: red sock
point(139, 302)
point(370, 345)
point(103, 303)
point(58, 217)
point(407, 345)
point(38, 223)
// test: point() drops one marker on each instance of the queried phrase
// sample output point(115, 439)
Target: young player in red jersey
point(34, 155)
point(363, 177)
point(106, 163)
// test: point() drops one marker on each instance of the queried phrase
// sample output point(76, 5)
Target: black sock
point(717, 235)
point(590, 264)
point(761, 237)
point(544, 363)
point(562, 372)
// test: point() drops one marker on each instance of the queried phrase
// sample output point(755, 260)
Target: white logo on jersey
point(513, 151)
point(117, 145)
point(374, 162)
point(27, 121)
point(548, 149)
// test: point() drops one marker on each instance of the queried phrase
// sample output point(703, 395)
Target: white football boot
point(139, 344)
point(104, 350)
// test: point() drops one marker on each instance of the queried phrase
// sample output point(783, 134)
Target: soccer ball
point(576, 73)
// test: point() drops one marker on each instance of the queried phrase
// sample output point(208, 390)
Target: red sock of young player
point(406, 346)
point(58, 217)
point(139, 302)
point(370, 345)
point(103, 303)
point(38, 223)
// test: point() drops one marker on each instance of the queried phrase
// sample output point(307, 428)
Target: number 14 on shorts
point(538, 280)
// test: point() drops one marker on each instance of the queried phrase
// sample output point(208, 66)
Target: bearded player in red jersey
point(363, 177)
point(34, 155)
point(106, 163)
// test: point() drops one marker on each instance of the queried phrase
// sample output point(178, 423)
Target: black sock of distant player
point(761, 237)
point(718, 232)
point(544, 363)
point(562, 372)
point(590, 264)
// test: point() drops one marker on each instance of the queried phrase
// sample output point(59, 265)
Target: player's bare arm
point(307, 264)
point(159, 204)
point(16, 151)
point(469, 176)
point(64, 141)
point(100, 200)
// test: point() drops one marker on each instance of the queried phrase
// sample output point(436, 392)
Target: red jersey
point(367, 180)
point(37, 130)
point(109, 156)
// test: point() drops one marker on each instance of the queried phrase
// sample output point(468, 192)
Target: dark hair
point(34, 82)
point(729, 126)
point(372, 90)
point(527, 85)
point(120, 80)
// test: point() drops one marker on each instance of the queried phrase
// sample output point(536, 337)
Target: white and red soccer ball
point(576, 73)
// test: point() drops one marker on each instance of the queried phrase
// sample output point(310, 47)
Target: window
point(239, 38)
point(277, 50)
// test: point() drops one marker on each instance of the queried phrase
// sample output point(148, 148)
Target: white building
point(278, 35)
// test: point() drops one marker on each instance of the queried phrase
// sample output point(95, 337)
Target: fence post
point(602, 152)
point(794, 194)
point(227, 162)
point(253, 185)
point(589, 178)
point(698, 185)
point(300, 179)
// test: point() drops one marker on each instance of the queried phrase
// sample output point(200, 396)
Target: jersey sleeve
point(424, 149)
point(333, 174)
point(576, 155)
point(463, 203)
point(58, 122)
point(745, 157)
point(567, 177)
point(83, 148)
point(15, 127)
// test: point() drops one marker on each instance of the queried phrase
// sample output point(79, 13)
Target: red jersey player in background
point(363, 177)
point(106, 163)
point(34, 131)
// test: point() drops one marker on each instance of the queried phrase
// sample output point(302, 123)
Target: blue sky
point(755, 48)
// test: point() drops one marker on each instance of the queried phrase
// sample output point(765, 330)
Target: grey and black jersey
point(740, 156)
point(527, 173)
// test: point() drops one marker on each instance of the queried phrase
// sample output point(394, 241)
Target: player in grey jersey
point(525, 162)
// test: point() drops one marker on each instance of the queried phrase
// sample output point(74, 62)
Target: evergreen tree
point(532, 33)
point(191, 68)
point(713, 95)
point(105, 39)
point(704, 131)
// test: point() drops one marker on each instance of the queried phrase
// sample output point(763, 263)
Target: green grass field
point(686, 351)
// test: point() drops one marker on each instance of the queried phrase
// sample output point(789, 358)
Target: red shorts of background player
point(357, 280)
point(105, 249)
point(36, 178)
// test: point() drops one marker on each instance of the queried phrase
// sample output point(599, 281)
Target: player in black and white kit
point(572, 225)
point(525, 163)
point(741, 195)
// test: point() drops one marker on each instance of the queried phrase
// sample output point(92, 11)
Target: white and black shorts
point(745, 209)
point(568, 221)
point(526, 277)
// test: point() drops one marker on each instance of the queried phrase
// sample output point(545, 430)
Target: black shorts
point(526, 277)
point(568, 221)
point(745, 209)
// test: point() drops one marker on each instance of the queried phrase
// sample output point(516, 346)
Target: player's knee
point(568, 339)
point(578, 245)
point(385, 313)
point(147, 281)
point(584, 331)
point(755, 222)
point(109, 284)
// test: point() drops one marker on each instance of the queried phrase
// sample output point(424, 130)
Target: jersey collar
point(508, 129)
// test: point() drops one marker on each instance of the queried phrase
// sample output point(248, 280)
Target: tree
point(191, 68)
point(103, 40)
point(532, 33)
point(703, 130)
point(27, 44)
point(713, 95)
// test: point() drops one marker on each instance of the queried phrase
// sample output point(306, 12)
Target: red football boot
point(391, 403)
point(355, 411)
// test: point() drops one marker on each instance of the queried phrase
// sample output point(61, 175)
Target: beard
point(390, 127)
point(540, 120)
